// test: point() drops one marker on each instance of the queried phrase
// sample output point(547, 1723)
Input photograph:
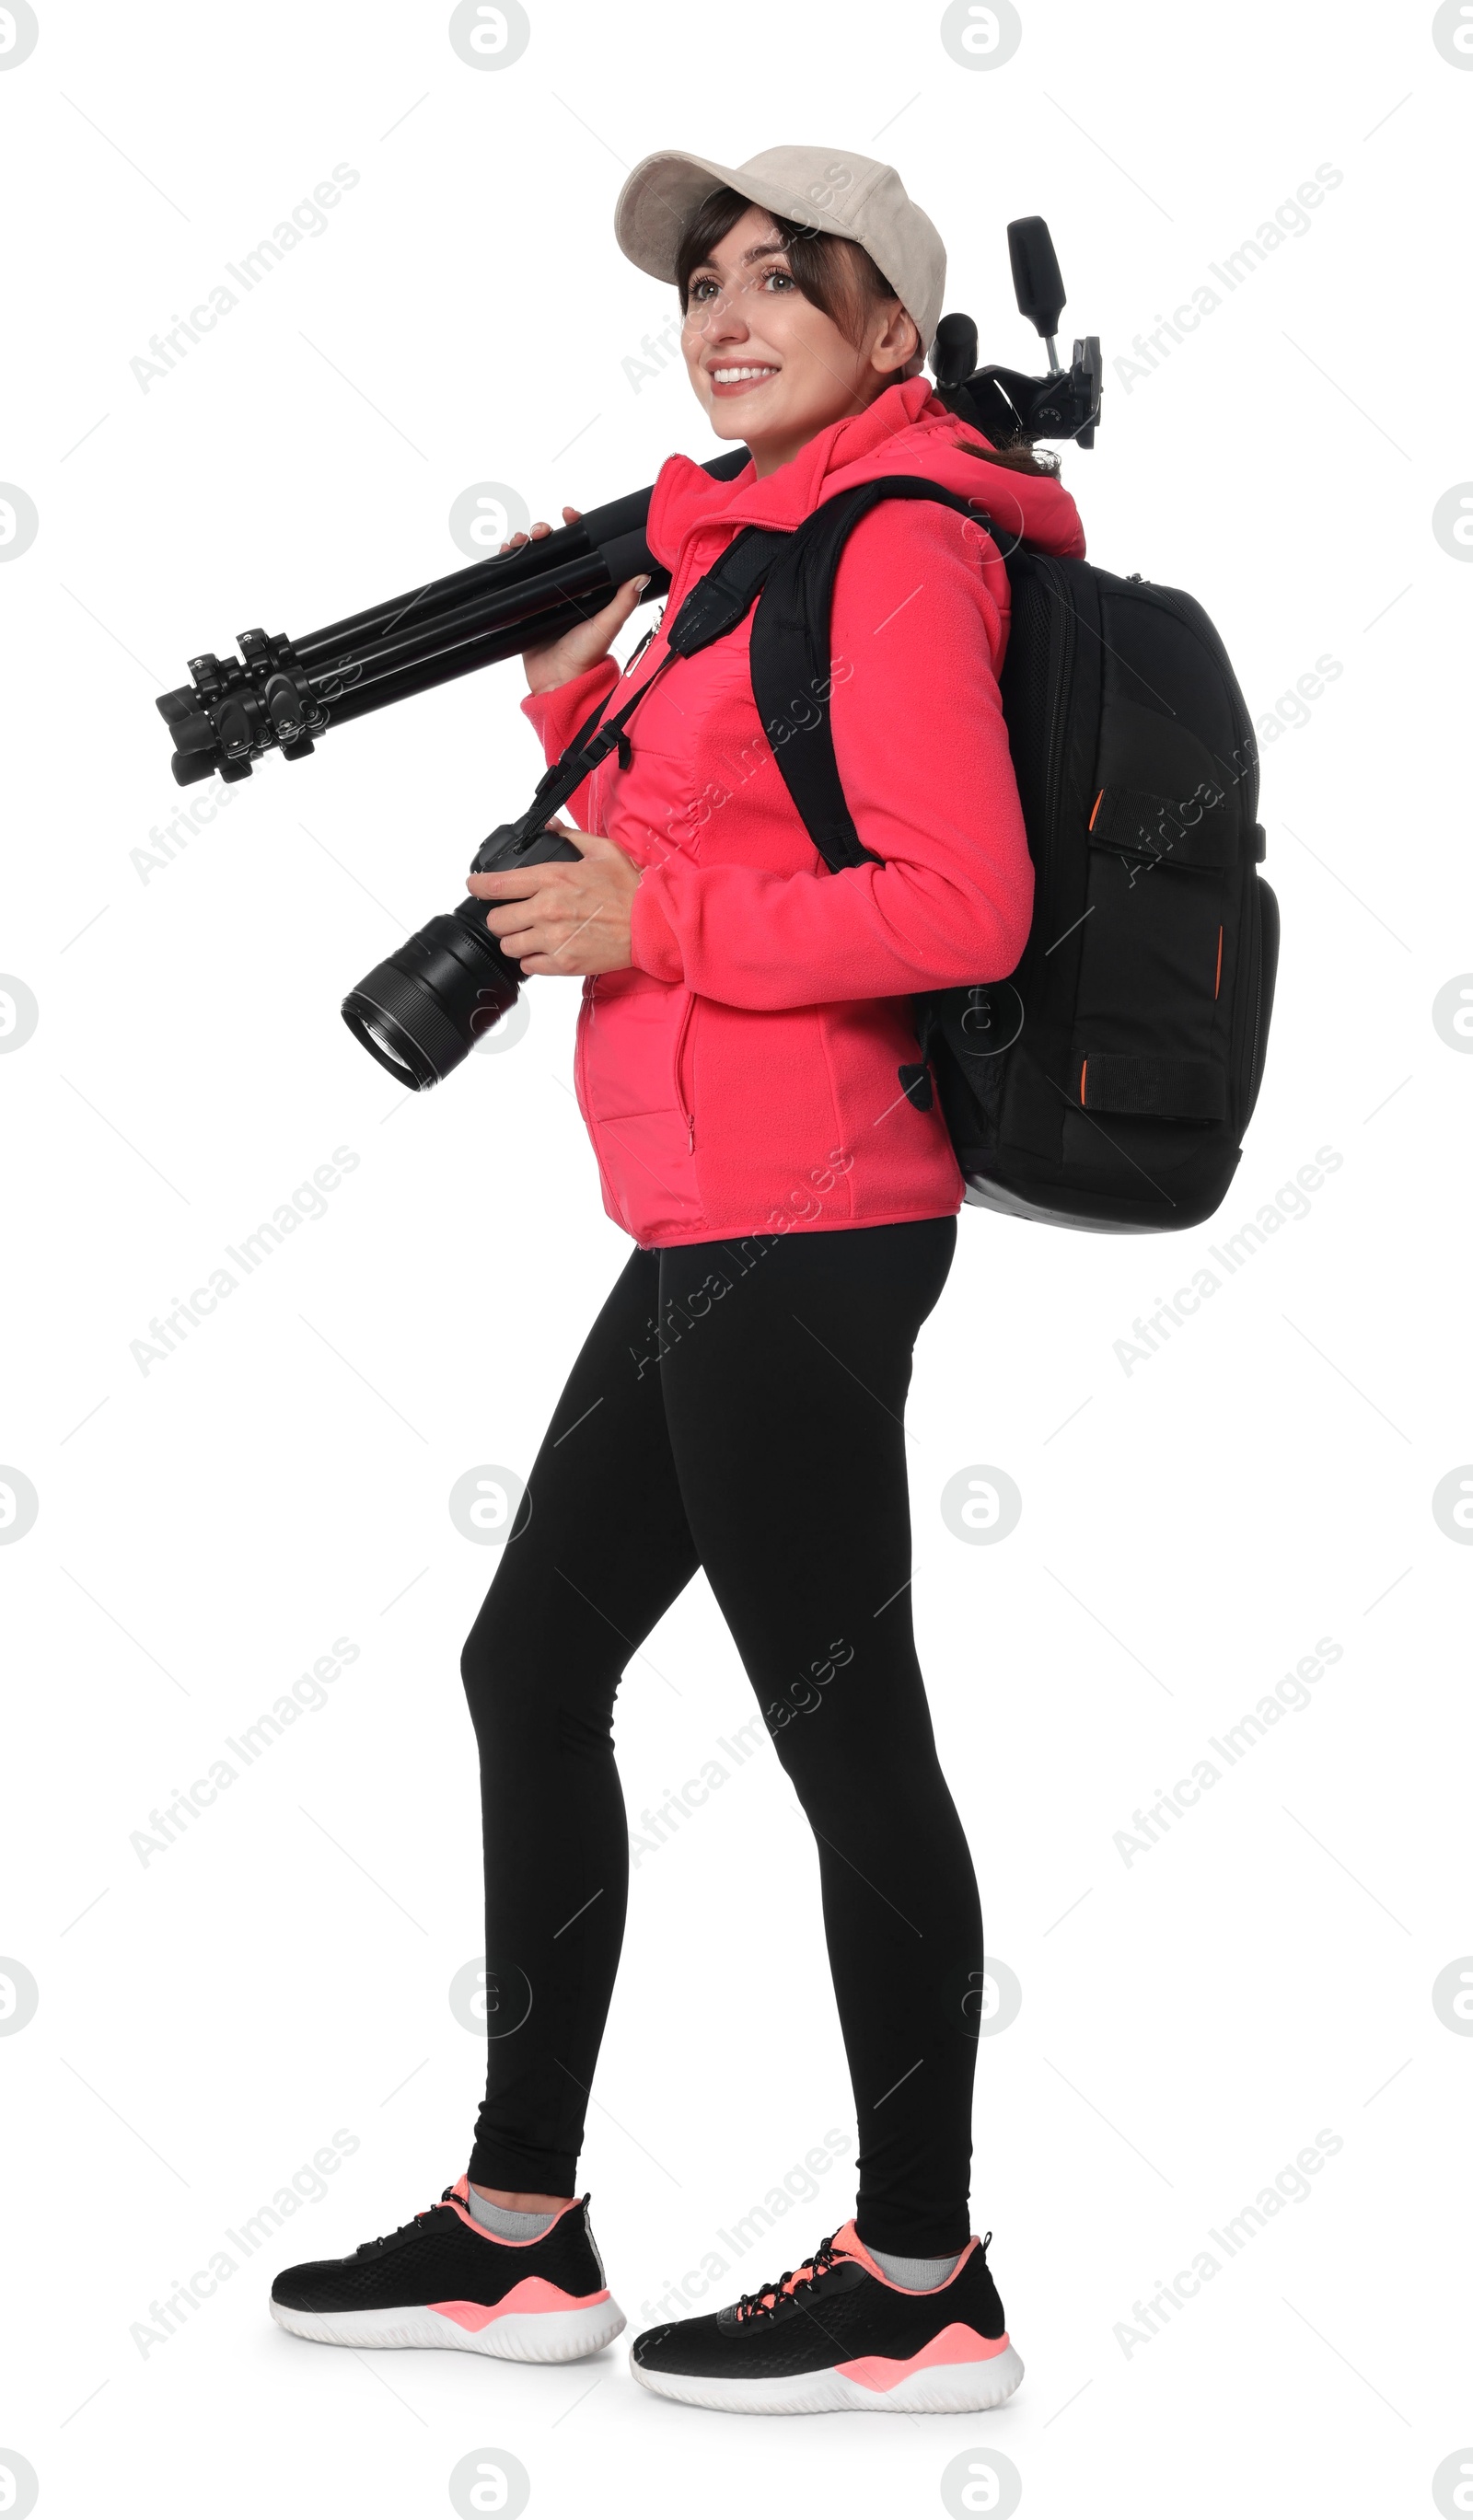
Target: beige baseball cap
point(829, 189)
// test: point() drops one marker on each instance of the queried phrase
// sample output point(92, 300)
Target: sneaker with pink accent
point(441, 2280)
point(838, 2336)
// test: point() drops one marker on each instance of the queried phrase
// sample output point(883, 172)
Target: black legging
point(737, 1406)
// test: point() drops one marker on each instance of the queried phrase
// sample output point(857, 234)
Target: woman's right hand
point(562, 660)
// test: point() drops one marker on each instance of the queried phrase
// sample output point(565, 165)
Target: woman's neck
point(769, 454)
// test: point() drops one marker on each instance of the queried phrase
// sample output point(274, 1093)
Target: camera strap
point(715, 605)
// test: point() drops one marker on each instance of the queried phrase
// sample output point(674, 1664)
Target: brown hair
point(836, 276)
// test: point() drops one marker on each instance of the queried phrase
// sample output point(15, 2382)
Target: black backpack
point(1107, 1082)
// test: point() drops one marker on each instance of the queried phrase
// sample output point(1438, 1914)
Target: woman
point(744, 1019)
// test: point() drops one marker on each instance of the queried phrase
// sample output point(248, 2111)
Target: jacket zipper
point(653, 632)
point(686, 1115)
point(585, 1017)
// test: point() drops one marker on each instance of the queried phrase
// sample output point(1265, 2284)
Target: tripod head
point(1000, 402)
point(281, 694)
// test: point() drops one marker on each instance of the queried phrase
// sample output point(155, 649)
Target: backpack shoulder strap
point(791, 662)
point(715, 604)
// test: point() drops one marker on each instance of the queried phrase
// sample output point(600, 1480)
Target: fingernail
point(641, 583)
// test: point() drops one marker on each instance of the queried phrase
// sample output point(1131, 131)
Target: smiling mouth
point(738, 379)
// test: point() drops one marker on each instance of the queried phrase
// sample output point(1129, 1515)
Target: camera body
point(423, 1010)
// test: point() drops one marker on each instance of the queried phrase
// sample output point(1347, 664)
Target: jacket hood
point(907, 429)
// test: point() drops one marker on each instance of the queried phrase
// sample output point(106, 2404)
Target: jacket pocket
point(629, 1089)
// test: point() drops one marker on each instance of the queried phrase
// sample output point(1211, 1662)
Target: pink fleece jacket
point(743, 1076)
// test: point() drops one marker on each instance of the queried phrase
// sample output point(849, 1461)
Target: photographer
point(738, 1404)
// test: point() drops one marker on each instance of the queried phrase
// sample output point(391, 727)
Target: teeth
point(737, 376)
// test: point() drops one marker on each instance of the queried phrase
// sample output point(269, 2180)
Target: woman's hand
point(576, 917)
point(562, 660)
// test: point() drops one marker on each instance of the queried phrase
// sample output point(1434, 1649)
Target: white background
point(1190, 2020)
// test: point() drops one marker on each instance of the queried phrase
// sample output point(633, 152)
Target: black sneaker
point(839, 2335)
point(443, 2281)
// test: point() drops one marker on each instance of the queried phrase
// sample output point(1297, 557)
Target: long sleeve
point(557, 716)
point(923, 753)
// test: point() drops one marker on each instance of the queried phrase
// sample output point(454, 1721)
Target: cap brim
point(656, 202)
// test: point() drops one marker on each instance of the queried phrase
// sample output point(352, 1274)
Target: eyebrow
point(754, 254)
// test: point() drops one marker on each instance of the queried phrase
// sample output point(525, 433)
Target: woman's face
point(769, 366)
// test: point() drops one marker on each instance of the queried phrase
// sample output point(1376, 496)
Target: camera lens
point(377, 1033)
point(420, 1012)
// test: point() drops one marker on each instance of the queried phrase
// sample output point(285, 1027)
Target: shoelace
point(414, 2221)
point(765, 2300)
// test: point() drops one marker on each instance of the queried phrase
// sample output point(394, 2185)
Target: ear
point(897, 351)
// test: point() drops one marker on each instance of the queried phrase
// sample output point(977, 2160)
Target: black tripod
point(280, 694)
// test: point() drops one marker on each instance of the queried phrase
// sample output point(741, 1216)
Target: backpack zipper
point(1060, 660)
point(1063, 625)
point(1245, 1017)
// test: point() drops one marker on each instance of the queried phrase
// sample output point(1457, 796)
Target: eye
point(700, 289)
point(778, 278)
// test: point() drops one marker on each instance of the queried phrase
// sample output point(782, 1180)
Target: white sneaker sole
point(522, 2336)
point(943, 2389)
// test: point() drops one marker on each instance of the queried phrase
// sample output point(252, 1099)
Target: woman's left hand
point(568, 916)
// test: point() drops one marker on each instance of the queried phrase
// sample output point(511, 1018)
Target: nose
point(722, 318)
